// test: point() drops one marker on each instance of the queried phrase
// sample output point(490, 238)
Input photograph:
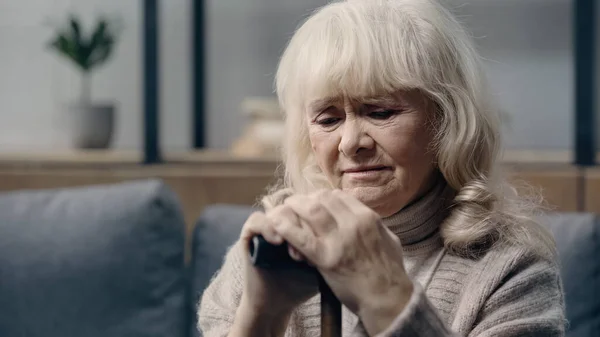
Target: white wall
point(245, 40)
point(527, 45)
point(35, 83)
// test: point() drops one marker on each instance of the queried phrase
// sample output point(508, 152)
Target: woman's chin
point(378, 199)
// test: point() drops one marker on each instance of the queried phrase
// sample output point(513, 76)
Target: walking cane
point(266, 255)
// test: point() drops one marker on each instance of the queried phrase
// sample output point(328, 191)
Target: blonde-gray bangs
point(347, 54)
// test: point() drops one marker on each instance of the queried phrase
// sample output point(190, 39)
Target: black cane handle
point(266, 255)
point(269, 256)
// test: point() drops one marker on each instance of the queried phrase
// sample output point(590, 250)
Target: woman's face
point(376, 149)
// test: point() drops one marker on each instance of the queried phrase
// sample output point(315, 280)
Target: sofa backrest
point(577, 238)
point(96, 261)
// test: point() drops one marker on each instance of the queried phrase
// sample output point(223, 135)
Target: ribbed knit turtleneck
point(418, 223)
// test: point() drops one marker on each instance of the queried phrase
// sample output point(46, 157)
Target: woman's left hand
point(359, 258)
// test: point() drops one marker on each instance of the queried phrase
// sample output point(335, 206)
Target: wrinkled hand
point(359, 258)
point(270, 292)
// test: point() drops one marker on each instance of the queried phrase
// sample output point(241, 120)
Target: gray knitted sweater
point(506, 292)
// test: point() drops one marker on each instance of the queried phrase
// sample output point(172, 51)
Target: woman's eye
point(382, 114)
point(328, 121)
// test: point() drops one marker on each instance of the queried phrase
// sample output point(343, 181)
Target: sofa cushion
point(94, 261)
point(217, 229)
point(578, 242)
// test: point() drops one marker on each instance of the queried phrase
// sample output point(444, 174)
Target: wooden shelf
point(126, 157)
point(592, 190)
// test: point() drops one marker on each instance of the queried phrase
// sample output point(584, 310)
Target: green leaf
point(96, 42)
point(66, 47)
point(102, 53)
point(86, 53)
point(79, 47)
point(76, 30)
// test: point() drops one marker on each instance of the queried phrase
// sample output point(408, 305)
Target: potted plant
point(92, 123)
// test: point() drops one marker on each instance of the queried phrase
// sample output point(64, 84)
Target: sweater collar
point(417, 224)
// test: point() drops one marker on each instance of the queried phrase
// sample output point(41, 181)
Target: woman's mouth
point(366, 173)
point(365, 169)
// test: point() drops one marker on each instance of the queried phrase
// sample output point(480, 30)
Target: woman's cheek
point(325, 151)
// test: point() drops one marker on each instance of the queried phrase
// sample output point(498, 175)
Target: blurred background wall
point(35, 83)
point(527, 45)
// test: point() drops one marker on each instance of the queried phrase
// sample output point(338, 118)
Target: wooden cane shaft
point(331, 311)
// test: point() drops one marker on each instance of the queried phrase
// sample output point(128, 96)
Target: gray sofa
point(108, 261)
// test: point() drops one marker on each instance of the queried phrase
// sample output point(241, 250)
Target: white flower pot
point(91, 125)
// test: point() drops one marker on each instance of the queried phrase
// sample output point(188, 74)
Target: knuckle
point(331, 261)
point(373, 217)
point(283, 226)
point(254, 224)
point(314, 208)
point(287, 211)
point(291, 200)
point(255, 219)
point(322, 194)
point(281, 213)
point(255, 214)
point(275, 211)
point(368, 216)
point(358, 230)
point(337, 192)
point(301, 240)
point(328, 263)
point(308, 245)
point(364, 225)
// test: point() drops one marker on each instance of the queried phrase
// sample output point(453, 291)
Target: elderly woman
point(392, 191)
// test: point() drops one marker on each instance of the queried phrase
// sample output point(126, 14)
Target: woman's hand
point(272, 295)
point(359, 258)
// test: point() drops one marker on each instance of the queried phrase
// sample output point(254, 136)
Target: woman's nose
point(354, 138)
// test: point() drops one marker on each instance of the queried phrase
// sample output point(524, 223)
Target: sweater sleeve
point(528, 302)
point(418, 318)
point(222, 297)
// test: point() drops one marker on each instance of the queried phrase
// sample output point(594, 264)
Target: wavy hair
point(365, 48)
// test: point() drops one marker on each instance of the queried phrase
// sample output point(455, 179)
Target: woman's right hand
point(274, 293)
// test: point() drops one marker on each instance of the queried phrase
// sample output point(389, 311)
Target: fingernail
point(295, 254)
